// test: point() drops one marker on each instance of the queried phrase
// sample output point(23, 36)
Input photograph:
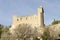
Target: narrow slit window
point(26, 18)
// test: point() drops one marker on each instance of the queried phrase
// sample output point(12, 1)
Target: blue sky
point(8, 8)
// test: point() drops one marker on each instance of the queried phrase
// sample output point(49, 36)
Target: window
point(26, 18)
point(21, 19)
point(17, 19)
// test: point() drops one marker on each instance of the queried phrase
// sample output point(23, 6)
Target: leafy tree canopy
point(55, 22)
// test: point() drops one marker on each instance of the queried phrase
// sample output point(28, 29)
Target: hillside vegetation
point(25, 32)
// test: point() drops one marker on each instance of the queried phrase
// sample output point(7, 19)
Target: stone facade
point(33, 20)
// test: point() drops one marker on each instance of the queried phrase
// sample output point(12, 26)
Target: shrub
point(25, 32)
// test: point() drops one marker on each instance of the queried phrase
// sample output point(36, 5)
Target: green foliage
point(55, 22)
point(25, 32)
point(6, 34)
point(0, 32)
point(22, 32)
point(46, 35)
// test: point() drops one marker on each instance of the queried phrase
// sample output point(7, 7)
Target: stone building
point(33, 20)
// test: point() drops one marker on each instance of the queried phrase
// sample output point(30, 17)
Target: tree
point(6, 34)
point(1, 26)
point(25, 32)
point(55, 22)
point(46, 35)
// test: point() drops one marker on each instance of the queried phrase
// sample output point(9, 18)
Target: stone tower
point(41, 16)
